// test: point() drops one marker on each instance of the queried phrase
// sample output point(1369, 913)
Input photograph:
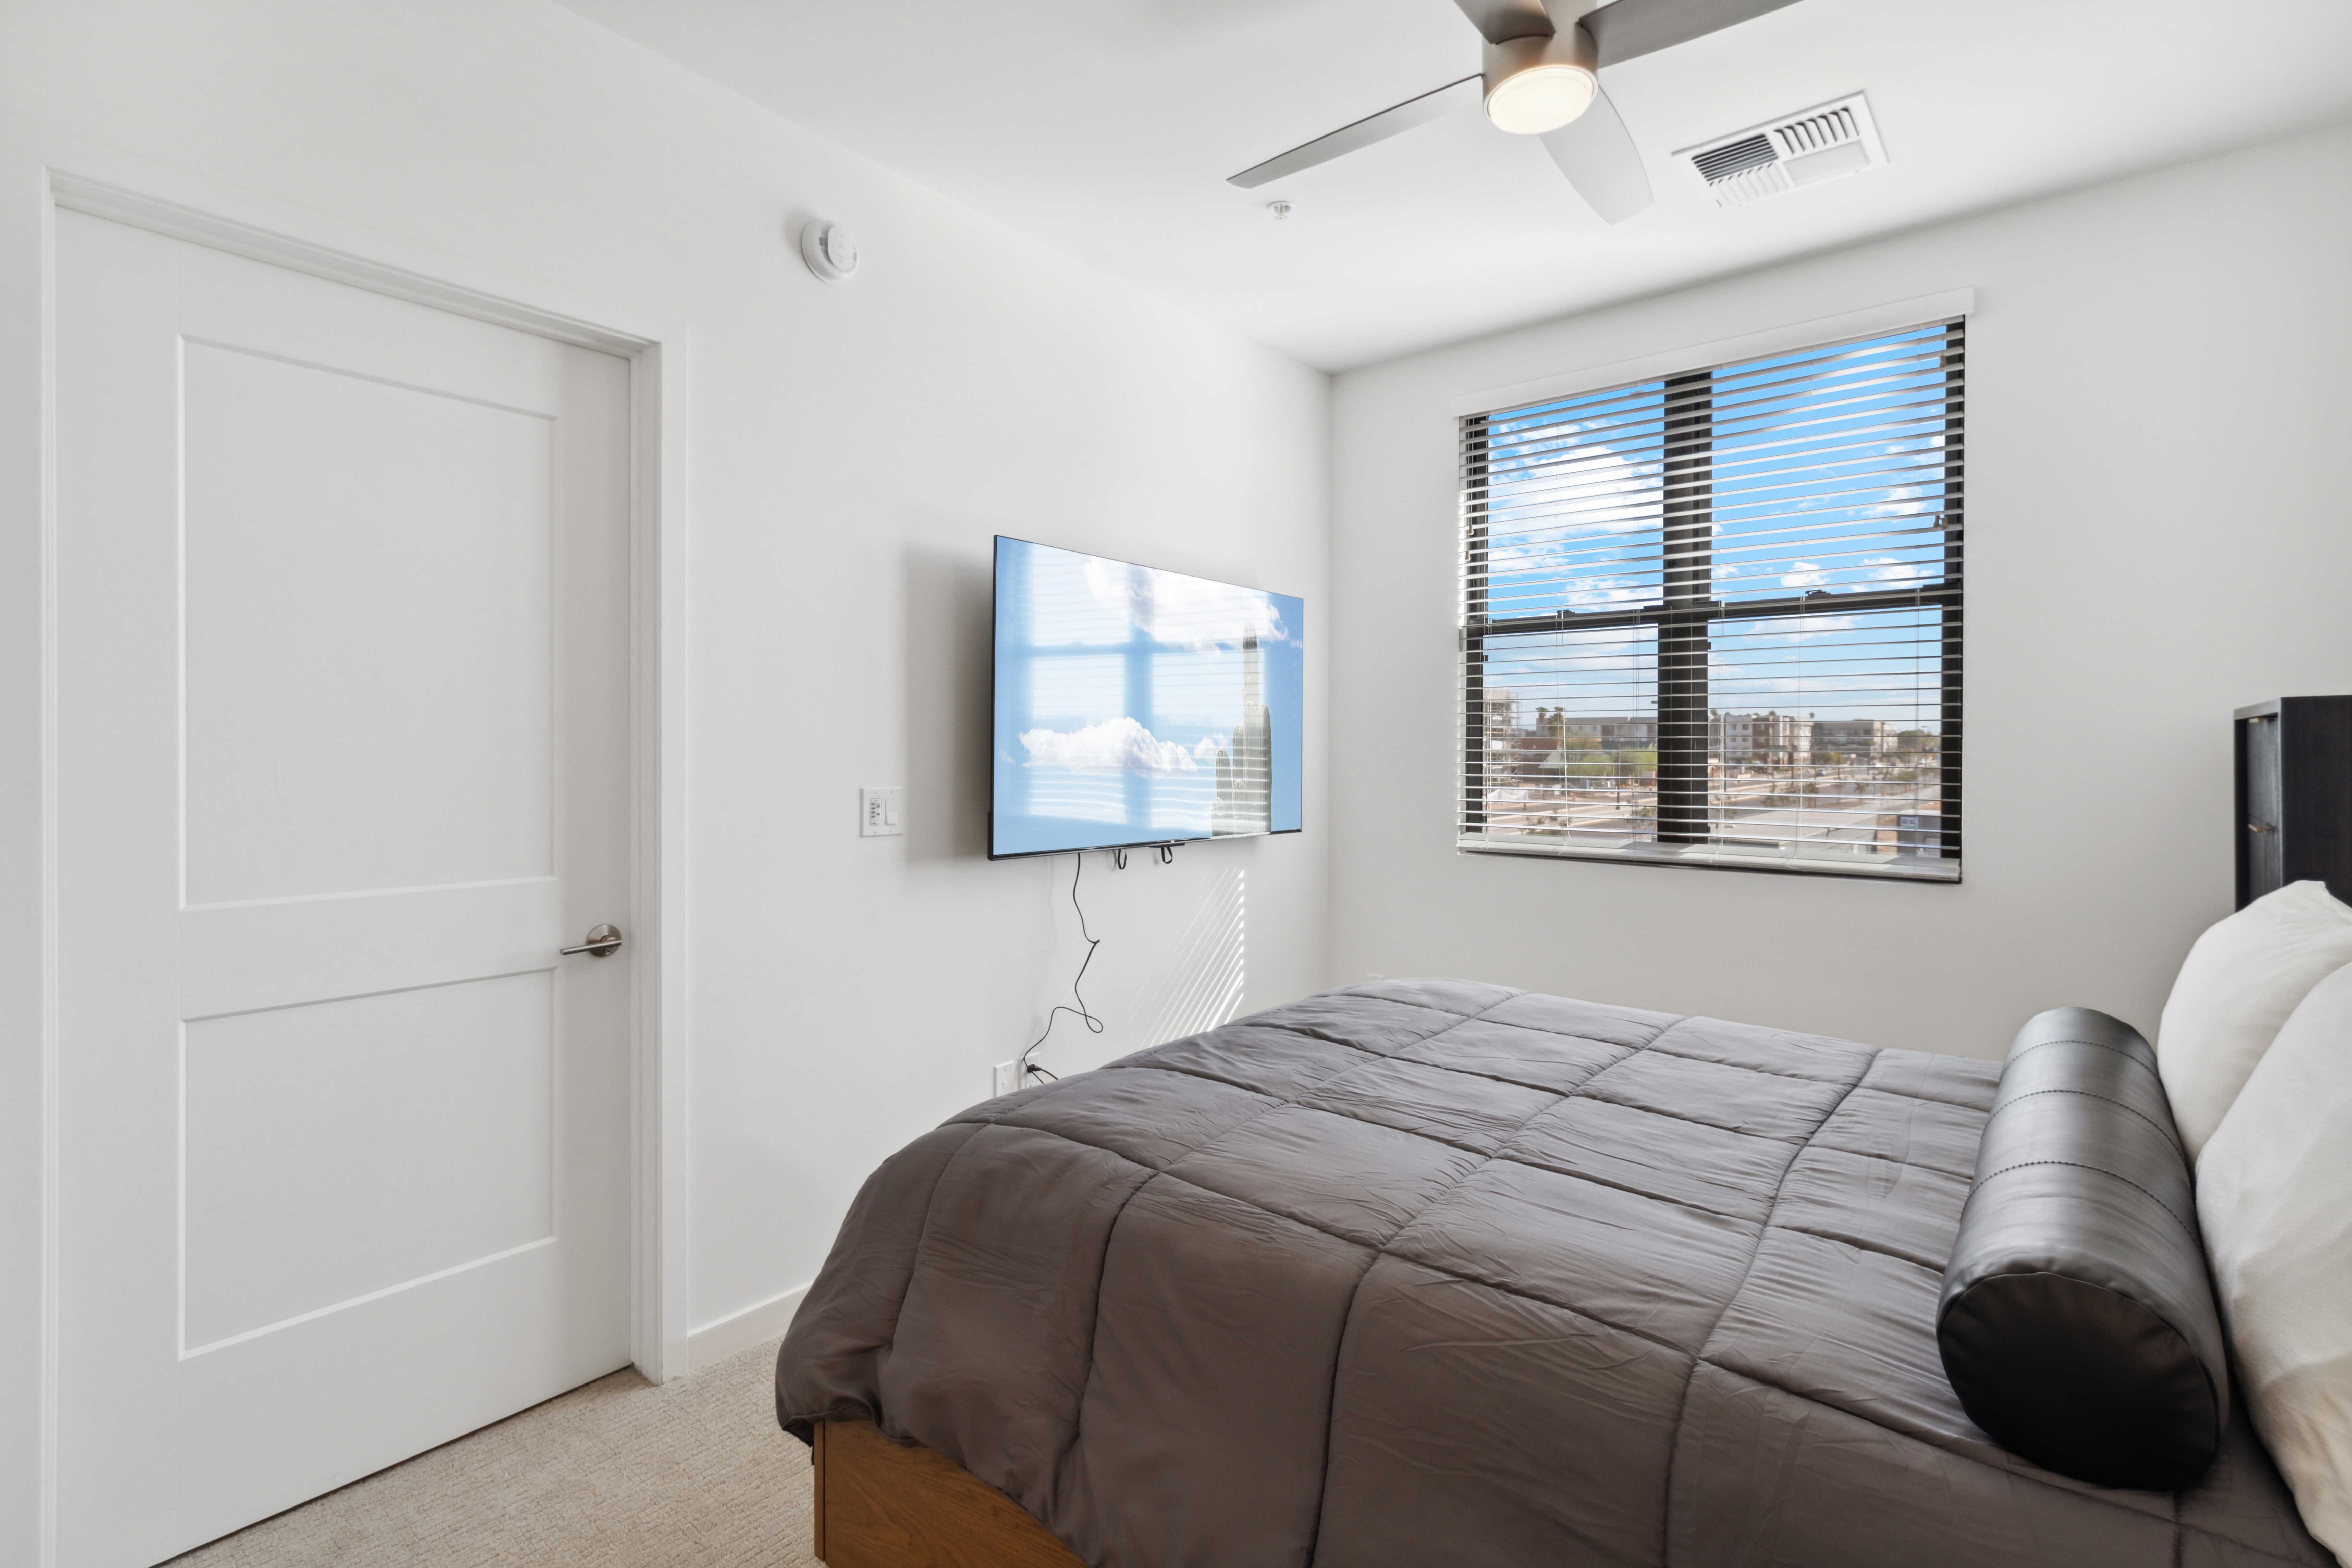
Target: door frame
point(169, 202)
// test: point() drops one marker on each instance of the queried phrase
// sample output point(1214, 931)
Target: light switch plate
point(1004, 1076)
point(881, 813)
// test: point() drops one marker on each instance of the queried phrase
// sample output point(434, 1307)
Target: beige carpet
point(618, 1473)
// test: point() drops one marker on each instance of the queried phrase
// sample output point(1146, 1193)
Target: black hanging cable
point(1081, 1012)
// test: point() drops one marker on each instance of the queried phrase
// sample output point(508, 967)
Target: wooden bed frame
point(883, 1505)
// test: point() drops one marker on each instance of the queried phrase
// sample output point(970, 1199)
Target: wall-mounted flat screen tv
point(1139, 707)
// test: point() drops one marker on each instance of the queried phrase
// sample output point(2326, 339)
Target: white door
point(344, 730)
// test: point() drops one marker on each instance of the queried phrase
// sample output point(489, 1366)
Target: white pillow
point(2274, 1196)
point(2241, 981)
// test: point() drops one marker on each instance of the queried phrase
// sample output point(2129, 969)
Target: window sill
point(1722, 857)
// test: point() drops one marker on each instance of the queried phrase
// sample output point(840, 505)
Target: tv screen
point(1136, 705)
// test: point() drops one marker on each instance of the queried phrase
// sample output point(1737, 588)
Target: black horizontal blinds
point(1717, 616)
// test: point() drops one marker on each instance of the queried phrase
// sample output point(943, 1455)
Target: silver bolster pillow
point(2077, 1323)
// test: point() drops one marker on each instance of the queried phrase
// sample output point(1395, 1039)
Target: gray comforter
point(1439, 1273)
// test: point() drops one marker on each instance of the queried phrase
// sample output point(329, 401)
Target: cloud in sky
point(1187, 612)
point(1798, 629)
point(1117, 745)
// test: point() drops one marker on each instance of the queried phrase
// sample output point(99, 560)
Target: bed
point(1440, 1272)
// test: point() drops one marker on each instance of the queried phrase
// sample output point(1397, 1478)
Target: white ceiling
point(1106, 128)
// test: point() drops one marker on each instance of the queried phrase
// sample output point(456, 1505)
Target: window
point(1714, 618)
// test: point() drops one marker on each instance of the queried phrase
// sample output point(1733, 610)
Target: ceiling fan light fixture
point(1541, 99)
point(1538, 84)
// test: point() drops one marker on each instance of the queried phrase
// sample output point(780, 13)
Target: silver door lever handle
point(602, 942)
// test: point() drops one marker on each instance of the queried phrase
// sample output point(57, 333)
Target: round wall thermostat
point(829, 251)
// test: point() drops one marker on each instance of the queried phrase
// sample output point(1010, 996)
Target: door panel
point(343, 758)
point(394, 665)
point(345, 1148)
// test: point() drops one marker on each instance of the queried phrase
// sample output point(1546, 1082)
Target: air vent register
point(1785, 154)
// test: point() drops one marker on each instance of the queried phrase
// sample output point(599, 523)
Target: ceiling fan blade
point(1600, 160)
point(1500, 21)
point(1372, 128)
point(1628, 29)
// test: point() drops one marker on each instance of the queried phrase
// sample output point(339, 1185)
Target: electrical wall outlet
point(881, 813)
point(1004, 1076)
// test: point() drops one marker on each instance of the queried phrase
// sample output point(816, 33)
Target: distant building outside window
point(1714, 618)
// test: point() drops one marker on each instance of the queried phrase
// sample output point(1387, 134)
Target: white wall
point(852, 451)
point(2159, 379)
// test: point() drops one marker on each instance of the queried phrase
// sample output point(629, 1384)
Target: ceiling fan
point(1540, 76)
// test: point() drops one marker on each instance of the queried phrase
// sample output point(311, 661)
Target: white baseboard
point(716, 1342)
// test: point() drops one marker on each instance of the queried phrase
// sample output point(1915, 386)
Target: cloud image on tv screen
point(1138, 706)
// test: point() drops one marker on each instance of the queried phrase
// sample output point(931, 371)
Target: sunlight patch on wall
point(1200, 985)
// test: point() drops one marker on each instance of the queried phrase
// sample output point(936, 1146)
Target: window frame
point(1682, 618)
